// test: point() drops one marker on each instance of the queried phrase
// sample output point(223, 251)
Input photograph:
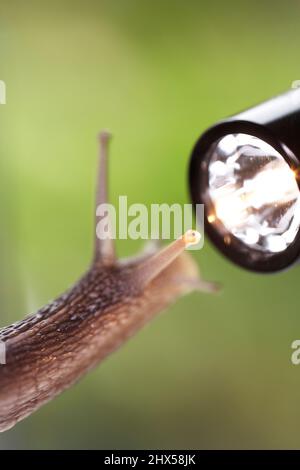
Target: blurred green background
point(214, 372)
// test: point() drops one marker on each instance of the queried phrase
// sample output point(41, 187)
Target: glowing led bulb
point(254, 192)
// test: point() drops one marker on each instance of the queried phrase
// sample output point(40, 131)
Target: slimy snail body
point(50, 350)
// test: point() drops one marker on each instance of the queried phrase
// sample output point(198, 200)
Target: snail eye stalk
point(245, 172)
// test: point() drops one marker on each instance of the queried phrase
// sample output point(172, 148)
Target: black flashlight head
point(245, 171)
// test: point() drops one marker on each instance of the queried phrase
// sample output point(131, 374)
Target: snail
point(52, 349)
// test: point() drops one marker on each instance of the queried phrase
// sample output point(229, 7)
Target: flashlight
point(245, 170)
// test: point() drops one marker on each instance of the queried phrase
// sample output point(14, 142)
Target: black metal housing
point(276, 121)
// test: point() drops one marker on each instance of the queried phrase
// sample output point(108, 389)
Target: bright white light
point(254, 192)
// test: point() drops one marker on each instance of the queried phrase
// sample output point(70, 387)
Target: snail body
point(50, 350)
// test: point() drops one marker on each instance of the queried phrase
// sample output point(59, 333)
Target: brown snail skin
point(50, 350)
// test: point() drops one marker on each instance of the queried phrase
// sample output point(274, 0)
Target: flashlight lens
point(254, 193)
